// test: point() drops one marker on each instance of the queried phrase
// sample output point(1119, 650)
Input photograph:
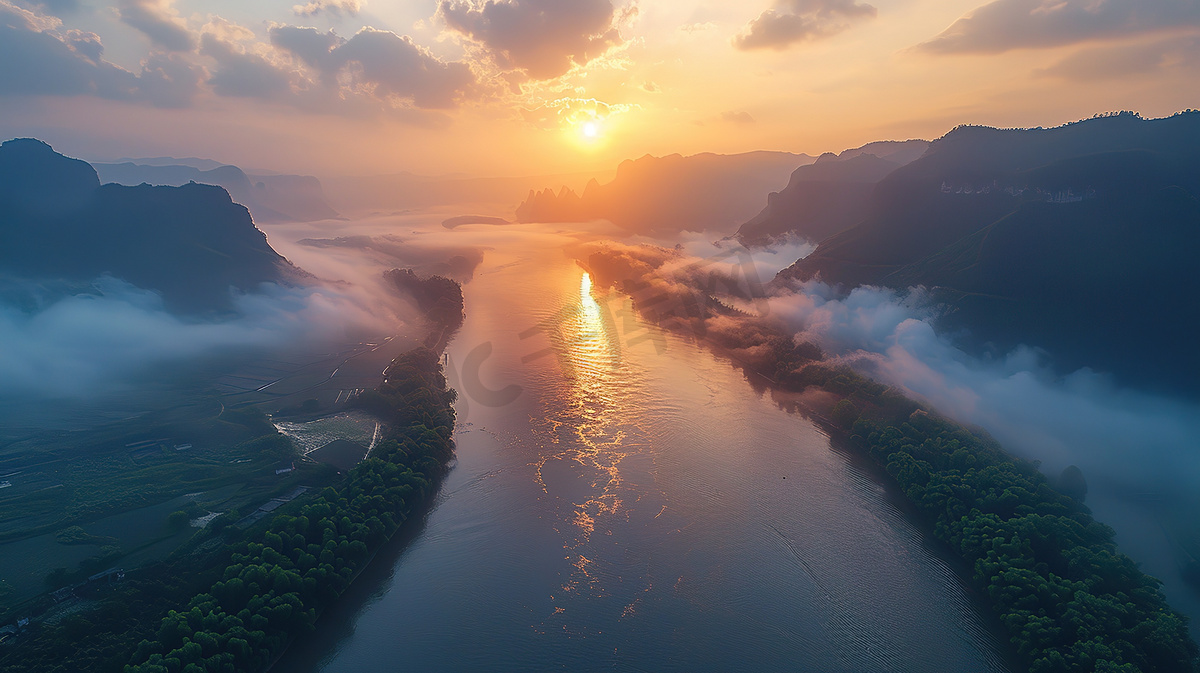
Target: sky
point(539, 87)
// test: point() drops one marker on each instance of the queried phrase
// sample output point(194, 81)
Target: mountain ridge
point(829, 195)
point(271, 198)
point(1076, 239)
point(191, 244)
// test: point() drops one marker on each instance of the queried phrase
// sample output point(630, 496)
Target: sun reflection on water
point(594, 424)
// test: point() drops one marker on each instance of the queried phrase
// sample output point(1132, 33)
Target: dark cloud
point(1014, 24)
point(393, 65)
point(243, 75)
point(310, 45)
point(169, 81)
point(544, 38)
point(334, 7)
point(85, 44)
point(1176, 54)
point(47, 61)
point(41, 61)
point(156, 21)
point(380, 64)
point(793, 21)
point(374, 70)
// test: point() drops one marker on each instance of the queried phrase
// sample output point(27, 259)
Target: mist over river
point(624, 499)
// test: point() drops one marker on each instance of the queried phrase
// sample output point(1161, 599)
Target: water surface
point(638, 506)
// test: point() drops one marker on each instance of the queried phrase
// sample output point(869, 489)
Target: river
point(625, 499)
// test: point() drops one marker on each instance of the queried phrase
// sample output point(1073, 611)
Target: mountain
point(830, 195)
point(190, 243)
point(271, 198)
point(401, 192)
point(194, 162)
point(666, 195)
point(1079, 239)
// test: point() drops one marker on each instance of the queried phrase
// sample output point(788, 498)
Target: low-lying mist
point(1140, 441)
point(86, 343)
point(1132, 443)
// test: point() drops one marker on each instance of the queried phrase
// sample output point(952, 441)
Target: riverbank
point(1067, 598)
point(261, 587)
point(281, 578)
point(628, 511)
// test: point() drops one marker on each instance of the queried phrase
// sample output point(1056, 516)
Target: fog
point(1130, 443)
point(729, 255)
point(87, 343)
point(1133, 440)
point(80, 343)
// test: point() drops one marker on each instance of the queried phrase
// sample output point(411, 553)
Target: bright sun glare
point(591, 130)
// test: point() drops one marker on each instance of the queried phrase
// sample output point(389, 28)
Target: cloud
point(740, 117)
point(157, 20)
point(373, 71)
point(19, 18)
point(1003, 25)
point(1176, 54)
point(543, 38)
point(41, 59)
point(793, 21)
point(378, 64)
point(169, 81)
point(334, 7)
point(243, 74)
point(570, 112)
point(389, 65)
point(46, 60)
point(692, 28)
point(308, 44)
point(58, 6)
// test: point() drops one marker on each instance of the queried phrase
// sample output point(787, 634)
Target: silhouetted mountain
point(664, 195)
point(190, 243)
point(830, 195)
point(399, 192)
point(1079, 239)
point(271, 198)
point(194, 162)
point(37, 182)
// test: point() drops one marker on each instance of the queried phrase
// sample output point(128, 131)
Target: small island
point(473, 219)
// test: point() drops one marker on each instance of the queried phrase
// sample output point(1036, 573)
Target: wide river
point(626, 500)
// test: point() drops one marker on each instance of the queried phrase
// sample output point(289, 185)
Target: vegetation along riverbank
point(1068, 599)
point(239, 591)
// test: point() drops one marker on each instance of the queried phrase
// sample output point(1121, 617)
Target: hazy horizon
point(442, 87)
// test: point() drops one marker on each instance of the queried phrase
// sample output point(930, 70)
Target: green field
point(120, 483)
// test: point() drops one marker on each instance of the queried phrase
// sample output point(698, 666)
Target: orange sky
point(507, 87)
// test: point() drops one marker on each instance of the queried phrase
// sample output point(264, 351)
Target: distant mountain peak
point(662, 195)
